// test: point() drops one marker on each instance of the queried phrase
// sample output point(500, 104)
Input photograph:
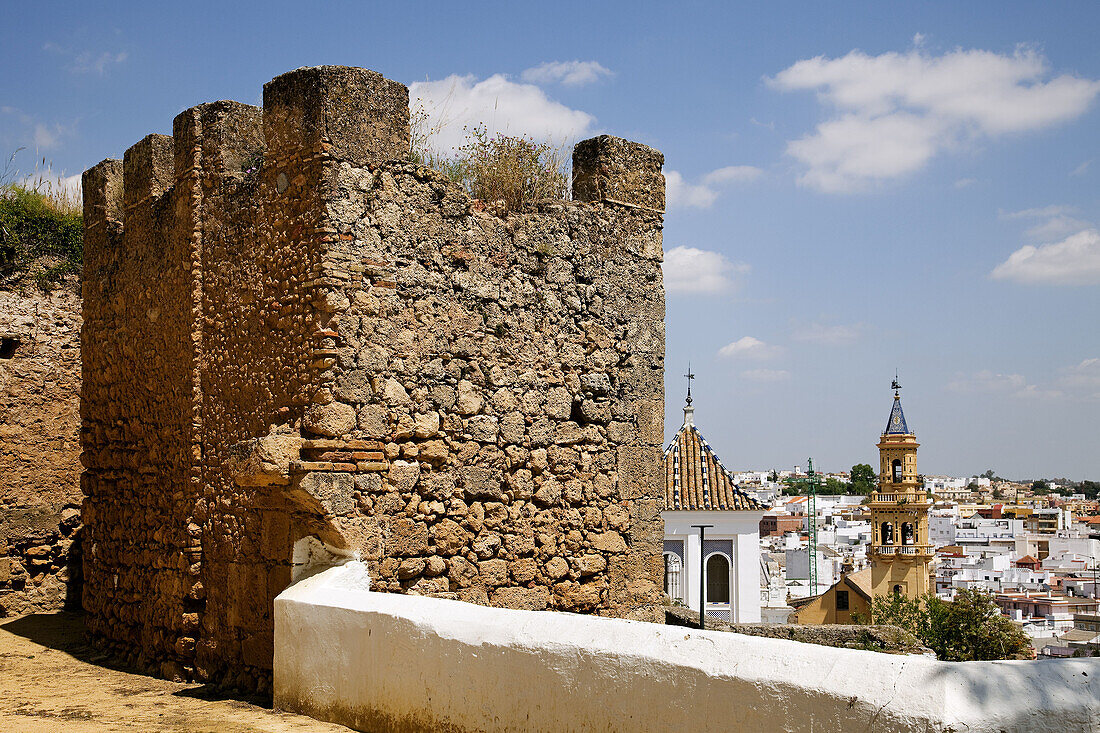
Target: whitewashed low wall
point(384, 662)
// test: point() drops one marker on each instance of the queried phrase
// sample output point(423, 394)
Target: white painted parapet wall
point(385, 662)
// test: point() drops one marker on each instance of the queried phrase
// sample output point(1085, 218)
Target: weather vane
point(894, 385)
point(690, 377)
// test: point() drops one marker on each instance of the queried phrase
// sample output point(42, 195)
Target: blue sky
point(852, 189)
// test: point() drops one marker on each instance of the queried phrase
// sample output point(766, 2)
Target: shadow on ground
point(64, 632)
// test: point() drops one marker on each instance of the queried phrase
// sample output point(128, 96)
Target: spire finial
point(894, 385)
point(689, 411)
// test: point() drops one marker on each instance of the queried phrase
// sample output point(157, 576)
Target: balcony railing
point(904, 550)
point(912, 497)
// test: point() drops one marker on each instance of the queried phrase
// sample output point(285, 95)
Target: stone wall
point(39, 449)
point(343, 353)
point(869, 637)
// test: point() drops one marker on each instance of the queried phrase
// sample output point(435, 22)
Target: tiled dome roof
point(696, 479)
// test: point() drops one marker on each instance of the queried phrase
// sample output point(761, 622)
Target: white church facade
point(700, 491)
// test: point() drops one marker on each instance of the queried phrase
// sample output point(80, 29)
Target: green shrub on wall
point(39, 227)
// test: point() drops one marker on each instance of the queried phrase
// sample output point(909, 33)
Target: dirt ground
point(52, 681)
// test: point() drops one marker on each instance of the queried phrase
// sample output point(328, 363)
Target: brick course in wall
point(342, 353)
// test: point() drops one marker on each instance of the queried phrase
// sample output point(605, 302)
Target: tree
point(967, 629)
point(1091, 489)
point(862, 479)
point(906, 613)
point(835, 486)
point(1040, 486)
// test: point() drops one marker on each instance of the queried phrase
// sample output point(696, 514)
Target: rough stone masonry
point(39, 449)
point(344, 353)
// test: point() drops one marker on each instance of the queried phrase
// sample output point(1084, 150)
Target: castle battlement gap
point(298, 347)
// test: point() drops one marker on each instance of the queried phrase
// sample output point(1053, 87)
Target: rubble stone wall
point(299, 347)
point(136, 405)
point(39, 449)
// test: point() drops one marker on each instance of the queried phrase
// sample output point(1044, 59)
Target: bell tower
point(900, 550)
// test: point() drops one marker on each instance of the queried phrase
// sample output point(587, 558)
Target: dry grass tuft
point(508, 170)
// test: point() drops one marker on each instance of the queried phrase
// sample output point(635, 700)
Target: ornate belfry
point(900, 550)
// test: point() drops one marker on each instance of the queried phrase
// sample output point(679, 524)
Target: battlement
point(298, 346)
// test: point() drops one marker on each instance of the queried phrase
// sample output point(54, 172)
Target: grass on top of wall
point(41, 230)
point(509, 170)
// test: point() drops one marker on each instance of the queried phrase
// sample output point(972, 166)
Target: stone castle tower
point(900, 550)
point(298, 345)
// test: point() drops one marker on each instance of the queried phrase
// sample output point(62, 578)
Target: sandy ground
point(50, 682)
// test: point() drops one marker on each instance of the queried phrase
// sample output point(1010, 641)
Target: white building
point(989, 536)
point(700, 491)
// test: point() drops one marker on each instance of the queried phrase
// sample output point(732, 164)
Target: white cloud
point(851, 152)
point(896, 111)
point(87, 62)
point(1006, 385)
point(1054, 221)
point(964, 182)
point(44, 137)
point(1033, 392)
point(732, 174)
point(569, 73)
point(988, 381)
point(749, 347)
point(37, 135)
point(691, 270)
point(1074, 260)
point(681, 194)
point(766, 375)
point(828, 334)
point(1081, 169)
point(1039, 212)
point(99, 63)
point(498, 103)
point(1082, 379)
point(73, 185)
point(1055, 227)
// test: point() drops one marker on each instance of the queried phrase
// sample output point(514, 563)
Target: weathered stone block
point(610, 169)
point(360, 114)
point(480, 482)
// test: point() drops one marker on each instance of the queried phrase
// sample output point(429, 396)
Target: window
point(897, 590)
point(718, 579)
point(887, 533)
point(842, 600)
point(897, 471)
point(673, 567)
point(906, 533)
point(8, 345)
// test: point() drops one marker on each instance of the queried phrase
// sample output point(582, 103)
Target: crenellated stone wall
point(298, 347)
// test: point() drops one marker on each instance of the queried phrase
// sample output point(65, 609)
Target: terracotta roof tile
point(696, 479)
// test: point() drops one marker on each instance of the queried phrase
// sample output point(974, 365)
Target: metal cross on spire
point(690, 377)
point(894, 385)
